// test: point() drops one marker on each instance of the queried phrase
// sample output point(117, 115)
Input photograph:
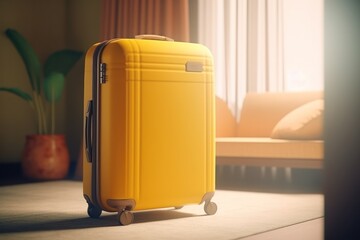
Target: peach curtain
point(127, 18)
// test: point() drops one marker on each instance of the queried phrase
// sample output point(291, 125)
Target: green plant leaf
point(61, 61)
point(29, 57)
point(53, 86)
point(18, 93)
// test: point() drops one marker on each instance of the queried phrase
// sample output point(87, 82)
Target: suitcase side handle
point(154, 37)
point(88, 127)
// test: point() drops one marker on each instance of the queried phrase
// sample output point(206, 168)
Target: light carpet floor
point(57, 210)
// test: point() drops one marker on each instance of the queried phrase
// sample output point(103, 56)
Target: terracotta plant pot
point(45, 157)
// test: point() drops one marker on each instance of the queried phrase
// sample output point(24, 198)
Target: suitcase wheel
point(125, 217)
point(210, 208)
point(93, 211)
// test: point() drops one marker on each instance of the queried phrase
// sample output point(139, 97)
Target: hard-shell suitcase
point(149, 126)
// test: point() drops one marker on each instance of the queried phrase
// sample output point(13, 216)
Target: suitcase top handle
point(154, 37)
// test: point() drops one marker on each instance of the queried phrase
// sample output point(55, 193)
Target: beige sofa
point(275, 130)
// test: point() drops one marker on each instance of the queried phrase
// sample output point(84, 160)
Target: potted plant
point(45, 154)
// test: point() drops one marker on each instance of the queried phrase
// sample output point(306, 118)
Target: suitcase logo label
point(192, 66)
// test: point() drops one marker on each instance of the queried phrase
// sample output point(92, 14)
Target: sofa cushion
point(302, 123)
point(257, 147)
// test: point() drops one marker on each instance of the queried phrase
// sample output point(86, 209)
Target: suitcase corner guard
point(123, 206)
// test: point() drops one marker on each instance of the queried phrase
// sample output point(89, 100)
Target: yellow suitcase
point(149, 126)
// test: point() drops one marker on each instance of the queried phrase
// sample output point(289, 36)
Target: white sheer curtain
point(245, 37)
point(263, 45)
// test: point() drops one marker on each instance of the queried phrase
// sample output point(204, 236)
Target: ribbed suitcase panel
point(157, 137)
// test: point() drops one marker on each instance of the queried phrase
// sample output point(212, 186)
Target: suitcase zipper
point(98, 77)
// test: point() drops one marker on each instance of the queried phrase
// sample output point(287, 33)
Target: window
point(263, 45)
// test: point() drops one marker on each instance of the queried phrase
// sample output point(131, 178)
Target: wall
point(41, 22)
point(49, 25)
point(82, 30)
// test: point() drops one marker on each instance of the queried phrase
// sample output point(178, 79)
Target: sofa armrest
point(225, 120)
